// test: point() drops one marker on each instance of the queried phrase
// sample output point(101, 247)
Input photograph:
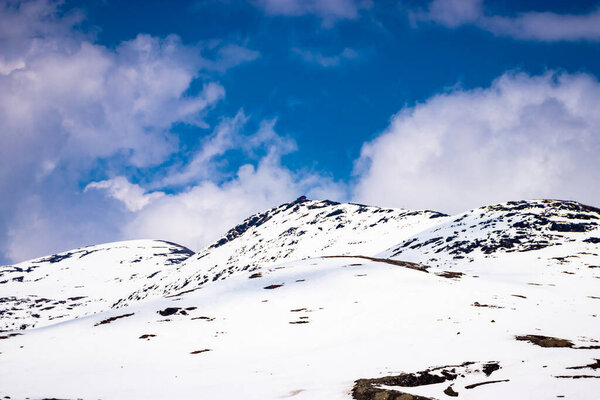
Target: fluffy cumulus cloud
point(543, 26)
point(523, 137)
point(70, 107)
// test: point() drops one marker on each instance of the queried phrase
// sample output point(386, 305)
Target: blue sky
point(176, 120)
point(394, 64)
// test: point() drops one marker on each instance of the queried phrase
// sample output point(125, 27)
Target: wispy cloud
point(133, 196)
point(227, 136)
point(330, 11)
point(228, 55)
point(539, 26)
point(207, 208)
point(326, 61)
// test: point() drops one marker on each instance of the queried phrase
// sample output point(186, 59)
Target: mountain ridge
point(319, 300)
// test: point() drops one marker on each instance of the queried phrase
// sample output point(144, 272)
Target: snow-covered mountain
point(513, 227)
point(79, 282)
point(319, 300)
point(293, 231)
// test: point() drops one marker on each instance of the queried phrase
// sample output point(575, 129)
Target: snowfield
point(80, 282)
point(319, 300)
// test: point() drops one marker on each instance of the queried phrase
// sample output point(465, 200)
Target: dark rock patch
point(594, 365)
point(364, 390)
point(253, 221)
point(405, 264)
point(179, 249)
point(477, 304)
point(169, 311)
point(200, 351)
point(10, 335)
point(111, 319)
point(546, 341)
point(370, 389)
point(474, 385)
point(273, 286)
point(147, 336)
point(490, 367)
point(571, 227)
point(204, 318)
point(408, 379)
point(450, 392)
point(450, 274)
point(334, 213)
point(255, 275)
point(56, 258)
point(152, 275)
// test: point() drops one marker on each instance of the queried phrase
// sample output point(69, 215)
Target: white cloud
point(453, 13)
point(207, 208)
point(27, 21)
point(231, 55)
point(325, 60)
point(546, 26)
point(69, 105)
point(524, 137)
point(6, 67)
point(204, 212)
point(227, 136)
point(329, 11)
point(542, 26)
point(54, 221)
point(133, 196)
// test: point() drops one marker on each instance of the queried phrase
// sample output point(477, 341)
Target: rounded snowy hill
point(79, 282)
point(293, 231)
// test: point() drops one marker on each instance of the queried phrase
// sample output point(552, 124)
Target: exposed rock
point(546, 341)
point(111, 319)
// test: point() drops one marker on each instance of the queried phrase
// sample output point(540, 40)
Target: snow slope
point(80, 282)
point(293, 231)
point(565, 234)
point(505, 306)
point(332, 322)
